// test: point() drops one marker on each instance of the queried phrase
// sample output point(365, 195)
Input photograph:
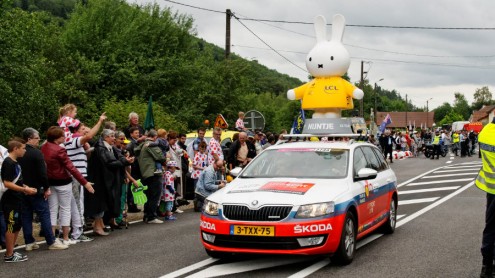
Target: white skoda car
point(303, 198)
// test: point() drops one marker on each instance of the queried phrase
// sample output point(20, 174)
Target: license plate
point(240, 230)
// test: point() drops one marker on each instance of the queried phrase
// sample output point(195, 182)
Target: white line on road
point(403, 192)
point(448, 162)
point(400, 216)
point(432, 206)
point(190, 268)
point(418, 201)
point(451, 171)
point(311, 269)
point(462, 166)
point(441, 181)
point(244, 266)
point(418, 177)
point(450, 175)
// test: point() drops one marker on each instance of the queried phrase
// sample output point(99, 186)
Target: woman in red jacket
point(60, 171)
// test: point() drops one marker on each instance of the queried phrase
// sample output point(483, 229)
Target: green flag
point(149, 121)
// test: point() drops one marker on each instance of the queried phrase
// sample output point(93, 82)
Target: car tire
point(347, 247)
point(217, 255)
point(389, 226)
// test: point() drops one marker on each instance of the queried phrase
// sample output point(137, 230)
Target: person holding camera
point(34, 174)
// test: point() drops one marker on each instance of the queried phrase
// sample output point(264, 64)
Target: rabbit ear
point(338, 25)
point(320, 29)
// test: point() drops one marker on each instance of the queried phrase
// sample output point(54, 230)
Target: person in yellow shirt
point(486, 182)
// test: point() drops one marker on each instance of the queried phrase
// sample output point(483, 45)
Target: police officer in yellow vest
point(486, 182)
point(455, 142)
point(436, 145)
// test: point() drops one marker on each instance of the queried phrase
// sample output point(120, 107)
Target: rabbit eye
point(331, 58)
point(310, 59)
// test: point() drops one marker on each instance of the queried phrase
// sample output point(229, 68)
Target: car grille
point(261, 243)
point(266, 213)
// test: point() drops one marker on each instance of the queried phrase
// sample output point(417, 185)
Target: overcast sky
point(422, 63)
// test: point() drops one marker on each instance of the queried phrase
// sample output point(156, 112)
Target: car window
point(359, 161)
point(373, 161)
point(383, 163)
point(299, 163)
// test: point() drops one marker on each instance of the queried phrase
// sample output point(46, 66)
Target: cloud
point(440, 62)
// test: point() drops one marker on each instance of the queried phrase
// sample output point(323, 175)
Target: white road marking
point(451, 157)
point(448, 162)
point(418, 201)
point(432, 206)
point(403, 192)
point(441, 181)
point(311, 269)
point(244, 266)
point(190, 268)
point(451, 171)
point(461, 166)
point(450, 175)
point(418, 177)
point(400, 216)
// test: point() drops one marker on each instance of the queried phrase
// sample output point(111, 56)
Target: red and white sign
point(287, 187)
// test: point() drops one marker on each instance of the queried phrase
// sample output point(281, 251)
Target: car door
point(378, 192)
point(366, 214)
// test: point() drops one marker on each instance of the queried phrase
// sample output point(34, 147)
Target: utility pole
point(407, 127)
point(361, 101)
point(227, 33)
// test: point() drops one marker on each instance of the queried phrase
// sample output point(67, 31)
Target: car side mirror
point(366, 174)
point(235, 172)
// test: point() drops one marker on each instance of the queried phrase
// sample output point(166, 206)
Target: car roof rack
point(344, 137)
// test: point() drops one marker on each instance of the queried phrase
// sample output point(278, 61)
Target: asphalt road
point(438, 235)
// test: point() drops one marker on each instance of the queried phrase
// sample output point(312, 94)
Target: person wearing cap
point(168, 196)
point(75, 146)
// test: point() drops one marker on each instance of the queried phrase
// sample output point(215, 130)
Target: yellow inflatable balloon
point(328, 93)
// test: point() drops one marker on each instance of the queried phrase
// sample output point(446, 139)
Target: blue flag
point(298, 125)
point(386, 121)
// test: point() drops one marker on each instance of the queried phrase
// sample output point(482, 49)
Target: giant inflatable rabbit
point(328, 93)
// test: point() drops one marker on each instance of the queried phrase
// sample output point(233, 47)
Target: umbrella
point(149, 121)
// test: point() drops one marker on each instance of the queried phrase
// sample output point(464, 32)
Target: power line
point(381, 60)
point(350, 25)
point(274, 50)
point(376, 26)
point(195, 7)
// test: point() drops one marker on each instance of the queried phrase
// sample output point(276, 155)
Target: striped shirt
point(77, 155)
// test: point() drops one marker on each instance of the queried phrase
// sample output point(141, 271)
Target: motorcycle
point(429, 150)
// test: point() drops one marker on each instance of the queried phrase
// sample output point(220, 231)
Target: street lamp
point(427, 122)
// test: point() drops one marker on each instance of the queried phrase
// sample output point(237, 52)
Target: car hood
point(280, 191)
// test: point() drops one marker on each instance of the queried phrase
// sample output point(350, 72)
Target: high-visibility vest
point(455, 138)
point(436, 140)
point(486, 177)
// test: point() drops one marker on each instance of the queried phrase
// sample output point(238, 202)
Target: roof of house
point(403, 119)
point(482, 113)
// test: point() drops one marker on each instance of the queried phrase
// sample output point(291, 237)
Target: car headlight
point(315, 210)
point(210, 208)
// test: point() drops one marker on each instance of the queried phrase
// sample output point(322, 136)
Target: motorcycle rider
point(436, 145)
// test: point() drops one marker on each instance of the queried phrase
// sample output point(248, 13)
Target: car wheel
point(347, 246)
point(217, 255)
point(389, 226)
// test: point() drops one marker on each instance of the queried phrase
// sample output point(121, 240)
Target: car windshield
point(318, 163)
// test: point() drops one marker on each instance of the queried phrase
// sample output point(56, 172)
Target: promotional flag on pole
point(298, 125)
point(149, 121)
point(386, 121)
